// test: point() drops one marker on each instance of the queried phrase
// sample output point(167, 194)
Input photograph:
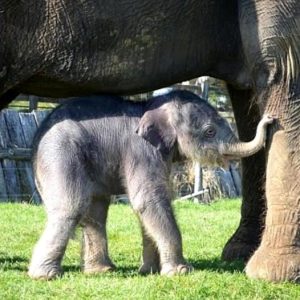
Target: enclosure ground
point(205, 229)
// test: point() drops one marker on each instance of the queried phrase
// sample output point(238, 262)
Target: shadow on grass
point(119, 271)
point(218, 265)
point(17, 263)
point(127, 271)
point(214, 265)
point(71, 268)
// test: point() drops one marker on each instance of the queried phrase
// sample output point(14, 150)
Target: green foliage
point(218, 95)
point(23, 105)
point(205, 229)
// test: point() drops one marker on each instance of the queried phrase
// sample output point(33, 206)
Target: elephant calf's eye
point(209, 132)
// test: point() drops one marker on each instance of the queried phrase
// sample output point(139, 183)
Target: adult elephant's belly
point(134, 73)
point(131, 51)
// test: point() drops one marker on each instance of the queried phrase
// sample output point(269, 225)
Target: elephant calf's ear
point(155, 128)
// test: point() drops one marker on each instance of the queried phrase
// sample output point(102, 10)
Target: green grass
point(205, 229)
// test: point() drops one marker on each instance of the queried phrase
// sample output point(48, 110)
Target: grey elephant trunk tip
point(245, 149)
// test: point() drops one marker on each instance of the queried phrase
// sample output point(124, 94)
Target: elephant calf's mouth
point(212, 158)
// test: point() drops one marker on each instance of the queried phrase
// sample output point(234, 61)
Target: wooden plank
point(40, 115)
point(33, 102)
point(3, 191)
point(198, 183)
point(17, 140)
point(236, 176)
point(226, 183)
point(194, 194)
point(8, 166)
point(219, 182)
point(16, 153)
point(29, 127)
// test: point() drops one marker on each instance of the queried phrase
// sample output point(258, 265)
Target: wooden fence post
point(198, 184)
point(33, 102)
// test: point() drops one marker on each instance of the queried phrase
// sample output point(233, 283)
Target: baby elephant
point(90, 148)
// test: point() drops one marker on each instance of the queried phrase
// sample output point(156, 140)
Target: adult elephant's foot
point(243, 243)
point(44, 272)
point(178, 269)
point(99, 268)
point(274, 266)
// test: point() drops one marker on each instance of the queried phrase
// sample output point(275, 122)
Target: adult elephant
point(63, 48)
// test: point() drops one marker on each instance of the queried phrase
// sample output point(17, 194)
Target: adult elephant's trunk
point(240, 149)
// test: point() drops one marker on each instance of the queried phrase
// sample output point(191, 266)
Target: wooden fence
point(17, 130)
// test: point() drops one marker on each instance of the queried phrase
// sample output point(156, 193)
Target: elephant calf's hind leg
point(150, 262)
point(94, 249)
point(49, 251)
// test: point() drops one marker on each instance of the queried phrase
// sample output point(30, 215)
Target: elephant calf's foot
point(99, 268)
point(149, 268)
point(242, 244)
point(170, 269)
point(275, 267)
point(44, 272)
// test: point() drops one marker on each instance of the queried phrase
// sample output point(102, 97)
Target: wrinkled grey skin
point(73, 48)
point(91, 148)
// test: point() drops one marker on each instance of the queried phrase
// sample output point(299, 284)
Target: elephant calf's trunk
point(241, 149)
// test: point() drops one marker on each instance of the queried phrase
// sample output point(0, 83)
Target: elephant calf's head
point(182, 119)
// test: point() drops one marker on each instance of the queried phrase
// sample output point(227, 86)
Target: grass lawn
point(205, 229)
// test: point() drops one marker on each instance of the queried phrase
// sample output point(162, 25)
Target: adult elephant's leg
point(278, 257)
point(272, 48)
point(247, 236)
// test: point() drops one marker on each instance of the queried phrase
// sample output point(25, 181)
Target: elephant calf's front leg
point(156, 215)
